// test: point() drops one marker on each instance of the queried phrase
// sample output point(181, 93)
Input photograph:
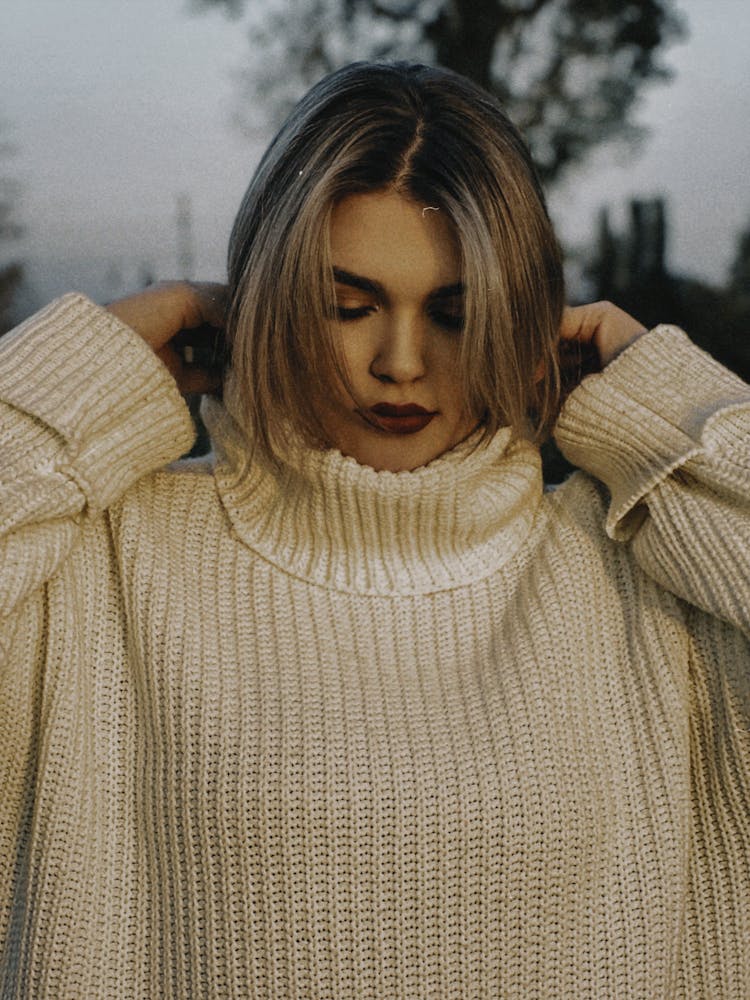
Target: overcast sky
point(115, 108)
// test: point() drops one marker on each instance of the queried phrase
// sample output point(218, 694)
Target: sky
point(114, 110)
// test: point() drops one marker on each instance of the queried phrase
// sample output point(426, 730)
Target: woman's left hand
point(601, 324)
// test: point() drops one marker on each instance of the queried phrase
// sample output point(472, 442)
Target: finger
point(602, 325)
point(162, 310)
point(582, 322)
point(211, 300)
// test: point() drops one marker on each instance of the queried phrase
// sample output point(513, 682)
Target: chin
point(386, 452)
point(395, 453)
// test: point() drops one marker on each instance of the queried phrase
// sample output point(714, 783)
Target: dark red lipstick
point(405, 419)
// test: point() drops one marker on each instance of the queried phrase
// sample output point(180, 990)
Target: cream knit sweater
point(333, 733)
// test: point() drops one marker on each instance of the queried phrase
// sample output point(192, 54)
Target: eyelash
point(359, 312)
point(446, 320)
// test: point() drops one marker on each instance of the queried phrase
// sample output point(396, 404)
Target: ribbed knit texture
point(322, 732)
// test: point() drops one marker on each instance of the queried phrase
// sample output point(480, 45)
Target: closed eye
point(447, 310)
point(354, 312)
point(448, 320)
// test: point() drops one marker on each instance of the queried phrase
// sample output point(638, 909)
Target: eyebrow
point(343, 277)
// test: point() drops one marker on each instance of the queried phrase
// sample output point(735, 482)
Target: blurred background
point(129, 131)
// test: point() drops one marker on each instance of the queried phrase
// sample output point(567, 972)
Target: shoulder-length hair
point(441, 140)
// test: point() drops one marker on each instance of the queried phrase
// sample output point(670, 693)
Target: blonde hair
point(439, 139)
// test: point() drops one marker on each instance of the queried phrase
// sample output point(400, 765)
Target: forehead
point(395, 241)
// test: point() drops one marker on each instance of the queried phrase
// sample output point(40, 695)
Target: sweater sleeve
point(666, 428)
point(86, 409)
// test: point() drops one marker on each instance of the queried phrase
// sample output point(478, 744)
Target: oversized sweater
point(326, 732)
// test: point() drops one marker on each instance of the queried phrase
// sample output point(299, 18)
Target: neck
point(325, 518)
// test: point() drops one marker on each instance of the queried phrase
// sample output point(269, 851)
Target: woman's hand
point(600, 325)
point(162, 311)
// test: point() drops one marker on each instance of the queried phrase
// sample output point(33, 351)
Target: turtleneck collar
point(327, 519)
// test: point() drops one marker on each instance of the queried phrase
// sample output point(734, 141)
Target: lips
point(405, 419)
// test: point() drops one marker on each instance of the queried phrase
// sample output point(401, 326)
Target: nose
point(399, 351)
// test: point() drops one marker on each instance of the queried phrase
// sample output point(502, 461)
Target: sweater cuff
point(632, 424)
point(96, 383)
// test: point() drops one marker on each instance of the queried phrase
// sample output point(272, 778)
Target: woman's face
point(399, 310)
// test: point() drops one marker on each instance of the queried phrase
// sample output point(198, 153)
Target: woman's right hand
point(161, 311)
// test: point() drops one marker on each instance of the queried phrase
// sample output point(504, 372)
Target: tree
point(568, 71)
point(737, 298)
point(739, 275)
point(631, 270)
point(10, 273)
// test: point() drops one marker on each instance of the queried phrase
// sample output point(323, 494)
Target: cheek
point(354, 354)
point(334, 393)
point(446, 371)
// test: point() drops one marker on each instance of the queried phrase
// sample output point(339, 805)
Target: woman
point(354, 708)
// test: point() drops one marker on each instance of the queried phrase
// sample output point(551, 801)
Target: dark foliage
point(11, 273)
point(568, 71)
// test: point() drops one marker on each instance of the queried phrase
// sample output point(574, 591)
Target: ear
point(540, 372)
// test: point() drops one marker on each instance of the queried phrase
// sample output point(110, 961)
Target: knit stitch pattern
point(322, 732)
